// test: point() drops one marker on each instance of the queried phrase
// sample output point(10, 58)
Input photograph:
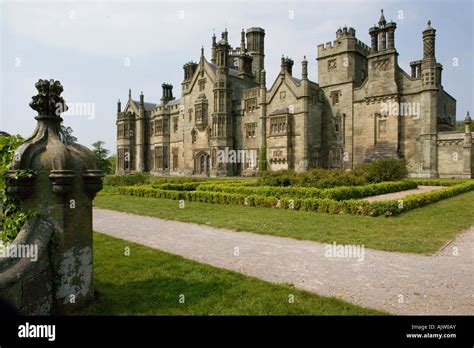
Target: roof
point(232, 72)
point(148, 106)
point(4, 134)
point(174, 102)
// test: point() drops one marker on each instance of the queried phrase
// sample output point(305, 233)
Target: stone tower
point(256, 48)
point(221, 128)
point(430, 81)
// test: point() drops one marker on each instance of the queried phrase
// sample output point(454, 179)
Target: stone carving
point(60, 192)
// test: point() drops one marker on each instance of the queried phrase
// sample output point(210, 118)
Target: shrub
point(127, 180)
point(386, 169)
point(317, 177)
point(12, 217)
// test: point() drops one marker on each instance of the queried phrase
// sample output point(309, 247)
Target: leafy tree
point(101, 154)
point(262, 161)
point(112, 164)
point(12, 218)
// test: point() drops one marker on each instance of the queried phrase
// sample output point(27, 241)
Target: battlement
point(345, 42)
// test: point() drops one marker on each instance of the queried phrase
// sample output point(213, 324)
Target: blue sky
point(99, 49)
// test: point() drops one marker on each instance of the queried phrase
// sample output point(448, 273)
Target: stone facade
point(363, 107)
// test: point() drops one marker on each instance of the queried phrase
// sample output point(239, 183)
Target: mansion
point(364, 106)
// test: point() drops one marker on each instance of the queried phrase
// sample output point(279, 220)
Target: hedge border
point(323, 205)
point(337, 193)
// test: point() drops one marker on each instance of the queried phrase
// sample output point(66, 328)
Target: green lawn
point(150, 282)
point(423, 230)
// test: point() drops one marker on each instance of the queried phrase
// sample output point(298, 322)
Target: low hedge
point(127, 180)
point(439, 182)
point(323, 205)
point(338, 193)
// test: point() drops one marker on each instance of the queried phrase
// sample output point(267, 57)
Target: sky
point(100, 49)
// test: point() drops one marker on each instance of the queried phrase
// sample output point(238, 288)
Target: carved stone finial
point(48, 101)
point(468, 118)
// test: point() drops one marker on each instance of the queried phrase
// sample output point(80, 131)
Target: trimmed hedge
point(338, 193)
point(323, 205)
point(147, 178)
point(439, 182)
point(127, 180)
point(317, 177)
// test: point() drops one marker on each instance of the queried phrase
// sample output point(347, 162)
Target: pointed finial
point(468, 118)
point(129, 93)
point(202, 51)
point(429, 22)
point(382, 20)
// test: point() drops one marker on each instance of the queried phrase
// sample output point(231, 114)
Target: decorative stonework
point(60, 192)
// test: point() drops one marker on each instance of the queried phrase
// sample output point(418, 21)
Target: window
point(251, 104)
point(335, 157)
point(158, 127)
point(337, 124)
point(175, 158)
point(213, 158)
point(335, 97)
point(278, 125)
point(221, 102)
point(201, 113)
point(166, 127)
point(120, 162)
point(158, 157)
point(123, 158)
point(120, 131)
point(165, 157)
point(220, 126)
point(382, 129)
point(190, 112)
point(175, 124)
point(193, 136)
point(250, 129)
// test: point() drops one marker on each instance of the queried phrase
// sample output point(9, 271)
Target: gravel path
point(401, 194)
point(442, 284)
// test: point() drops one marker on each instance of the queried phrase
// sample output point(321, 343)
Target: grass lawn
point(150, 282)
point(423, 230)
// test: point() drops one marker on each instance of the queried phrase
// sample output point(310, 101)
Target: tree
point(112, 164)
point(101, 154)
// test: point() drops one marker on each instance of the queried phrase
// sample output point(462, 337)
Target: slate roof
point(148, 106)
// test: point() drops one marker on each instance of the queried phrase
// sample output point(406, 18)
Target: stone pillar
point(429, 40)
point(382, 40)
point(391, 35)
point(57, 180)
point(373, 32)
